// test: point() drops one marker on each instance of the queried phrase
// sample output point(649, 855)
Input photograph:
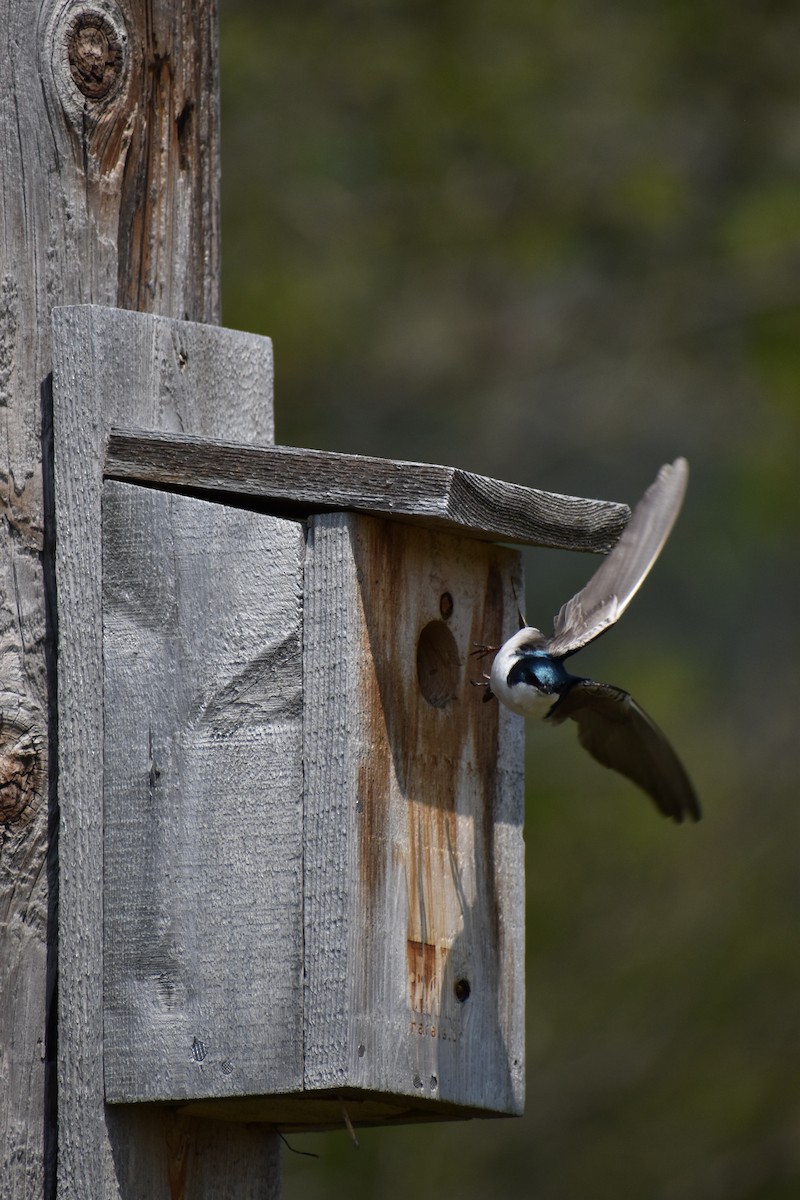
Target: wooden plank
point(414, 895)
point(108, 192)
point(203, 794)
point(319, 481)
point(109, 179)
point(108, 366)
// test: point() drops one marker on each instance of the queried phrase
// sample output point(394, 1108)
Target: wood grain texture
point(411, 946)
point(107, 363)
point(82, 144)
point(412, 933)
point(313, 480)
point(203, 792)
point(414, 895)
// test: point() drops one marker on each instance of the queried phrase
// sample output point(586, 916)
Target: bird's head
point(524, 676)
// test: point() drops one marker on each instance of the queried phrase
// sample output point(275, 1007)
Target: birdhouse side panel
point(414, 863)
point(202, 797)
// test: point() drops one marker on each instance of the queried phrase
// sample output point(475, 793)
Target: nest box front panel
point(413, 814)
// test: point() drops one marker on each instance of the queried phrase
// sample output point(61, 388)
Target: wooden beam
point(109, 178)
point(106, 363)
point(304, 481)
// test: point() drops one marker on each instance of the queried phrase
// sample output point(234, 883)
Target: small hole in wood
point(446, 605)
point(437, 664)
point(462, 990)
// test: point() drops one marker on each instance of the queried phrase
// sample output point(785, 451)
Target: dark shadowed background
point(559, 242)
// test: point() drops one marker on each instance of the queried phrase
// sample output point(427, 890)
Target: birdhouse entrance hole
point(438, 665)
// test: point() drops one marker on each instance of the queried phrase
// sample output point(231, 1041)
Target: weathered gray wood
point(203, 771)
point(109, 366)
point(413, 875)
point(414, 856)
point(108, 193)
point(314, 481)
point(412, 947)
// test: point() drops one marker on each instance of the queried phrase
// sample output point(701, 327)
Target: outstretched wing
point(620, 735)
point(620, 575)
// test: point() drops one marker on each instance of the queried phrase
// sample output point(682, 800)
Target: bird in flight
point(528, 673)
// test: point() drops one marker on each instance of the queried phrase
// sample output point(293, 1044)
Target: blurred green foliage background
point(559, 242)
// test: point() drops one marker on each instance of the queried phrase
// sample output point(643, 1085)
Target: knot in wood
point(20, 773)
point(95, 52)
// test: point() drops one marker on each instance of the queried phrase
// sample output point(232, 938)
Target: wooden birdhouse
point(303, 857)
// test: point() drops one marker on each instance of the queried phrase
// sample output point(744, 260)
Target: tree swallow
point(528, 673)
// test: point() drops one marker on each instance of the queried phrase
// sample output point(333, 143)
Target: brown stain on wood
point(425, 973)
point(170, 171)
point(433, 744)
point(177, 1158)
point(487, 629)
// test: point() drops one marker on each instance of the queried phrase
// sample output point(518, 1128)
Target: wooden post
point(108, 194)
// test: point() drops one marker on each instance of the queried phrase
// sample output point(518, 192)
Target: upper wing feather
point(620, 575)
point(620, 735)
